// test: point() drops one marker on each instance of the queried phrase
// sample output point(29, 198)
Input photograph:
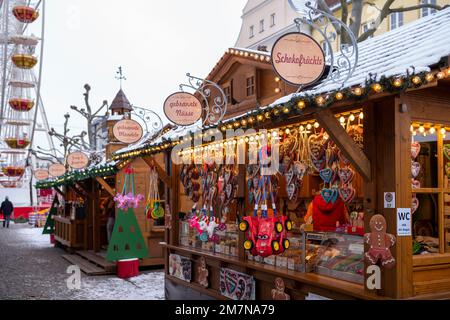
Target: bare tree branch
point(418, 7)
point(344, 16)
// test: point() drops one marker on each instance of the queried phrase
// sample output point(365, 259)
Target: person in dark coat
point(6, 209)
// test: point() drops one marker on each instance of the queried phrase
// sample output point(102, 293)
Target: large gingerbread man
point(380, 243)
point(279, 292)
point(203, 273)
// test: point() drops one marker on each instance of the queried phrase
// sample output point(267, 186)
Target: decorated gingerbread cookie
point(278, 293)
point(203, 273)
point(380, 243)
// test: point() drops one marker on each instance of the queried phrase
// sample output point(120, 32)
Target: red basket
point(128, 268)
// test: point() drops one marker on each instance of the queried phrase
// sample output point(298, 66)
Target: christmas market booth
point(339, 191)
point(89, 215)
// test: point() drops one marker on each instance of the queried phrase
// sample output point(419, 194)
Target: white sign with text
point(404, 222)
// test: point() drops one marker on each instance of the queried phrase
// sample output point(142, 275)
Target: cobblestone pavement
point(31, 268)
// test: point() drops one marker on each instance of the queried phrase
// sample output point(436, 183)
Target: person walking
point(7, 210)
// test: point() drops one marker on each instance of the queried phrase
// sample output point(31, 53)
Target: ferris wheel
point(22, 115)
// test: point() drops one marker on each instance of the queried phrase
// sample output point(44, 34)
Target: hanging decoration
point(380, 243)
point(127, 199)
point(415, 172)
point(154, 209)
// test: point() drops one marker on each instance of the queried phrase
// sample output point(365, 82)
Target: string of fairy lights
point(429, 129)
point(298, 104)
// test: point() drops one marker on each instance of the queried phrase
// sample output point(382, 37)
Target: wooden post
point(95, 216)
point(345, 143)
point(175, 198)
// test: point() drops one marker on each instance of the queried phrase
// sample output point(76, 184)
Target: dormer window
point(252, 32)
point(272, 19)
point(227, 91)
point(261, 26)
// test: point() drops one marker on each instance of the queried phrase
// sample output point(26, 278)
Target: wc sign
point(404, 222)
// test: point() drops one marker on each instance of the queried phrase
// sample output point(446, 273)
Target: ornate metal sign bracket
point(342, 65)
point(152, 121)
point(215, 110)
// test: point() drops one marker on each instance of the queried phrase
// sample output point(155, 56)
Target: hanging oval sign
point(128, 131)
point(298, 59)
point(56, 170)
point(77, 160)
point(183, 108)
point(41, 174)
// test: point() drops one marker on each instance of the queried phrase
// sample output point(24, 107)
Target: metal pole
point(5, 58)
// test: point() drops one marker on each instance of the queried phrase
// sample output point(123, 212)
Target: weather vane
point(120, 76)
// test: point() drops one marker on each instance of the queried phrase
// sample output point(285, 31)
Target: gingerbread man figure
point(278, 293)
point(380, 243)
point(203, 273)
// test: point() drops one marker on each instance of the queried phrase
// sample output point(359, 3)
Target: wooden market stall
point(384, 134)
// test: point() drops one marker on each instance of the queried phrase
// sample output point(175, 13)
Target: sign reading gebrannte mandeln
point(298, 59)
point(183, 108)
point(41, 174)
point(57, 170)
point(77, 160)
point(128, 131)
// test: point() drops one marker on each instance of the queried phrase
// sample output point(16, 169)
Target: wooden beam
point(151, 162)
point(82, 191)
point(105, 185)
point(345, 143)
point(59, 191)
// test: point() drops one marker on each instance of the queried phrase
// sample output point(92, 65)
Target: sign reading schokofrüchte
point(128, 131)
point(298, 59)
point(77, 160)
point(183, 108)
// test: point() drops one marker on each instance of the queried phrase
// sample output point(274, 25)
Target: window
point(250, 86)
point(366, 27)
point(252, 31)
point(261, 26)
point(227, 91)
point(396, 20)
point(428, 11)
point(431, 189)
point(272, 19)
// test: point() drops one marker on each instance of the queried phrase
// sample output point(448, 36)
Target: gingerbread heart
point(415, 169)
point(414, 205)
point(300, 170)
point(415, 149)
point(346, 175)
point(329, 195)
point(415, 184)
point(316, 147)
point(318, 164)
point(291, 191)
point(289, 175)
point(327, 175)
point(347, 194)
point(343, 158)
point(446, 149)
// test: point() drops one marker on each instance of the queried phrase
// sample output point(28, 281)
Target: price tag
point(389, 200)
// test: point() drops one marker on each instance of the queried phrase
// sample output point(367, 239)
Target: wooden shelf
point(343, 287)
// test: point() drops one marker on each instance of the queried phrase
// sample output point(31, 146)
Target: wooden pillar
point(95, 216)
point(175, 204)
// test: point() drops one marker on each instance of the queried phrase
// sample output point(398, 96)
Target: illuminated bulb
point(361, 115)
point(440, 75)
point(342, 120)
point(277, 79)
point(320, 100)
point(252, 139)
point(231, 51)
point(416, 80)
point(244, 122)
point(241, 53)
point(277, 90)
point(301, 104)
point(251, 120)
point(339, 96)
point(288, 131)
point(259, 118)
point(286, 110)
point(432, 130)
point(358, 91)
point(224, 128)
point(246, 140)
point(443, 131)
point(316, 125)
point(246, 54)
point(241, 141)
point(268, 59)
point(309, 126)
point(377, 87)
point(352, 117)
point(429, 77)
point(411, 128)
point(230, 126)
point(234, 142)
point(262, 58)
point(448, 72)
point(397, 83)
point(276, 112)
point(302, 128)
point(267, 115)
point(274, 134)
point(421, 129)
point(256, 57)
point(237, 124)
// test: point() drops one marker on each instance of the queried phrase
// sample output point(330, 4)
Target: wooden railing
point(69, 233)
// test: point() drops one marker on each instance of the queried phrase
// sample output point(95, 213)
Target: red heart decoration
point(347, 194)
point(414, 205)
point(415, 169)
point(415, 184)
point(415, 149)
point(346, 175)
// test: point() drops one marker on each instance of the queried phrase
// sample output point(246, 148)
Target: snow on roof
point(417, 45)
point(115, 117)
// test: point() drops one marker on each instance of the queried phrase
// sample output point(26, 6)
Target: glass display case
point(339, 256)
point(227, 240)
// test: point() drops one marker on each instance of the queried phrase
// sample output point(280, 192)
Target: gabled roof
point(121, 102)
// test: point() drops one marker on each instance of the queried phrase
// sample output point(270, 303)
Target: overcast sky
point(156, 42)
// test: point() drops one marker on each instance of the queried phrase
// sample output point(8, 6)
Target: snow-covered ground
point(31, 268)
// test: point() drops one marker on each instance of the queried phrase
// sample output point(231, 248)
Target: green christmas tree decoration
point(49, 227)
point(127, 241)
